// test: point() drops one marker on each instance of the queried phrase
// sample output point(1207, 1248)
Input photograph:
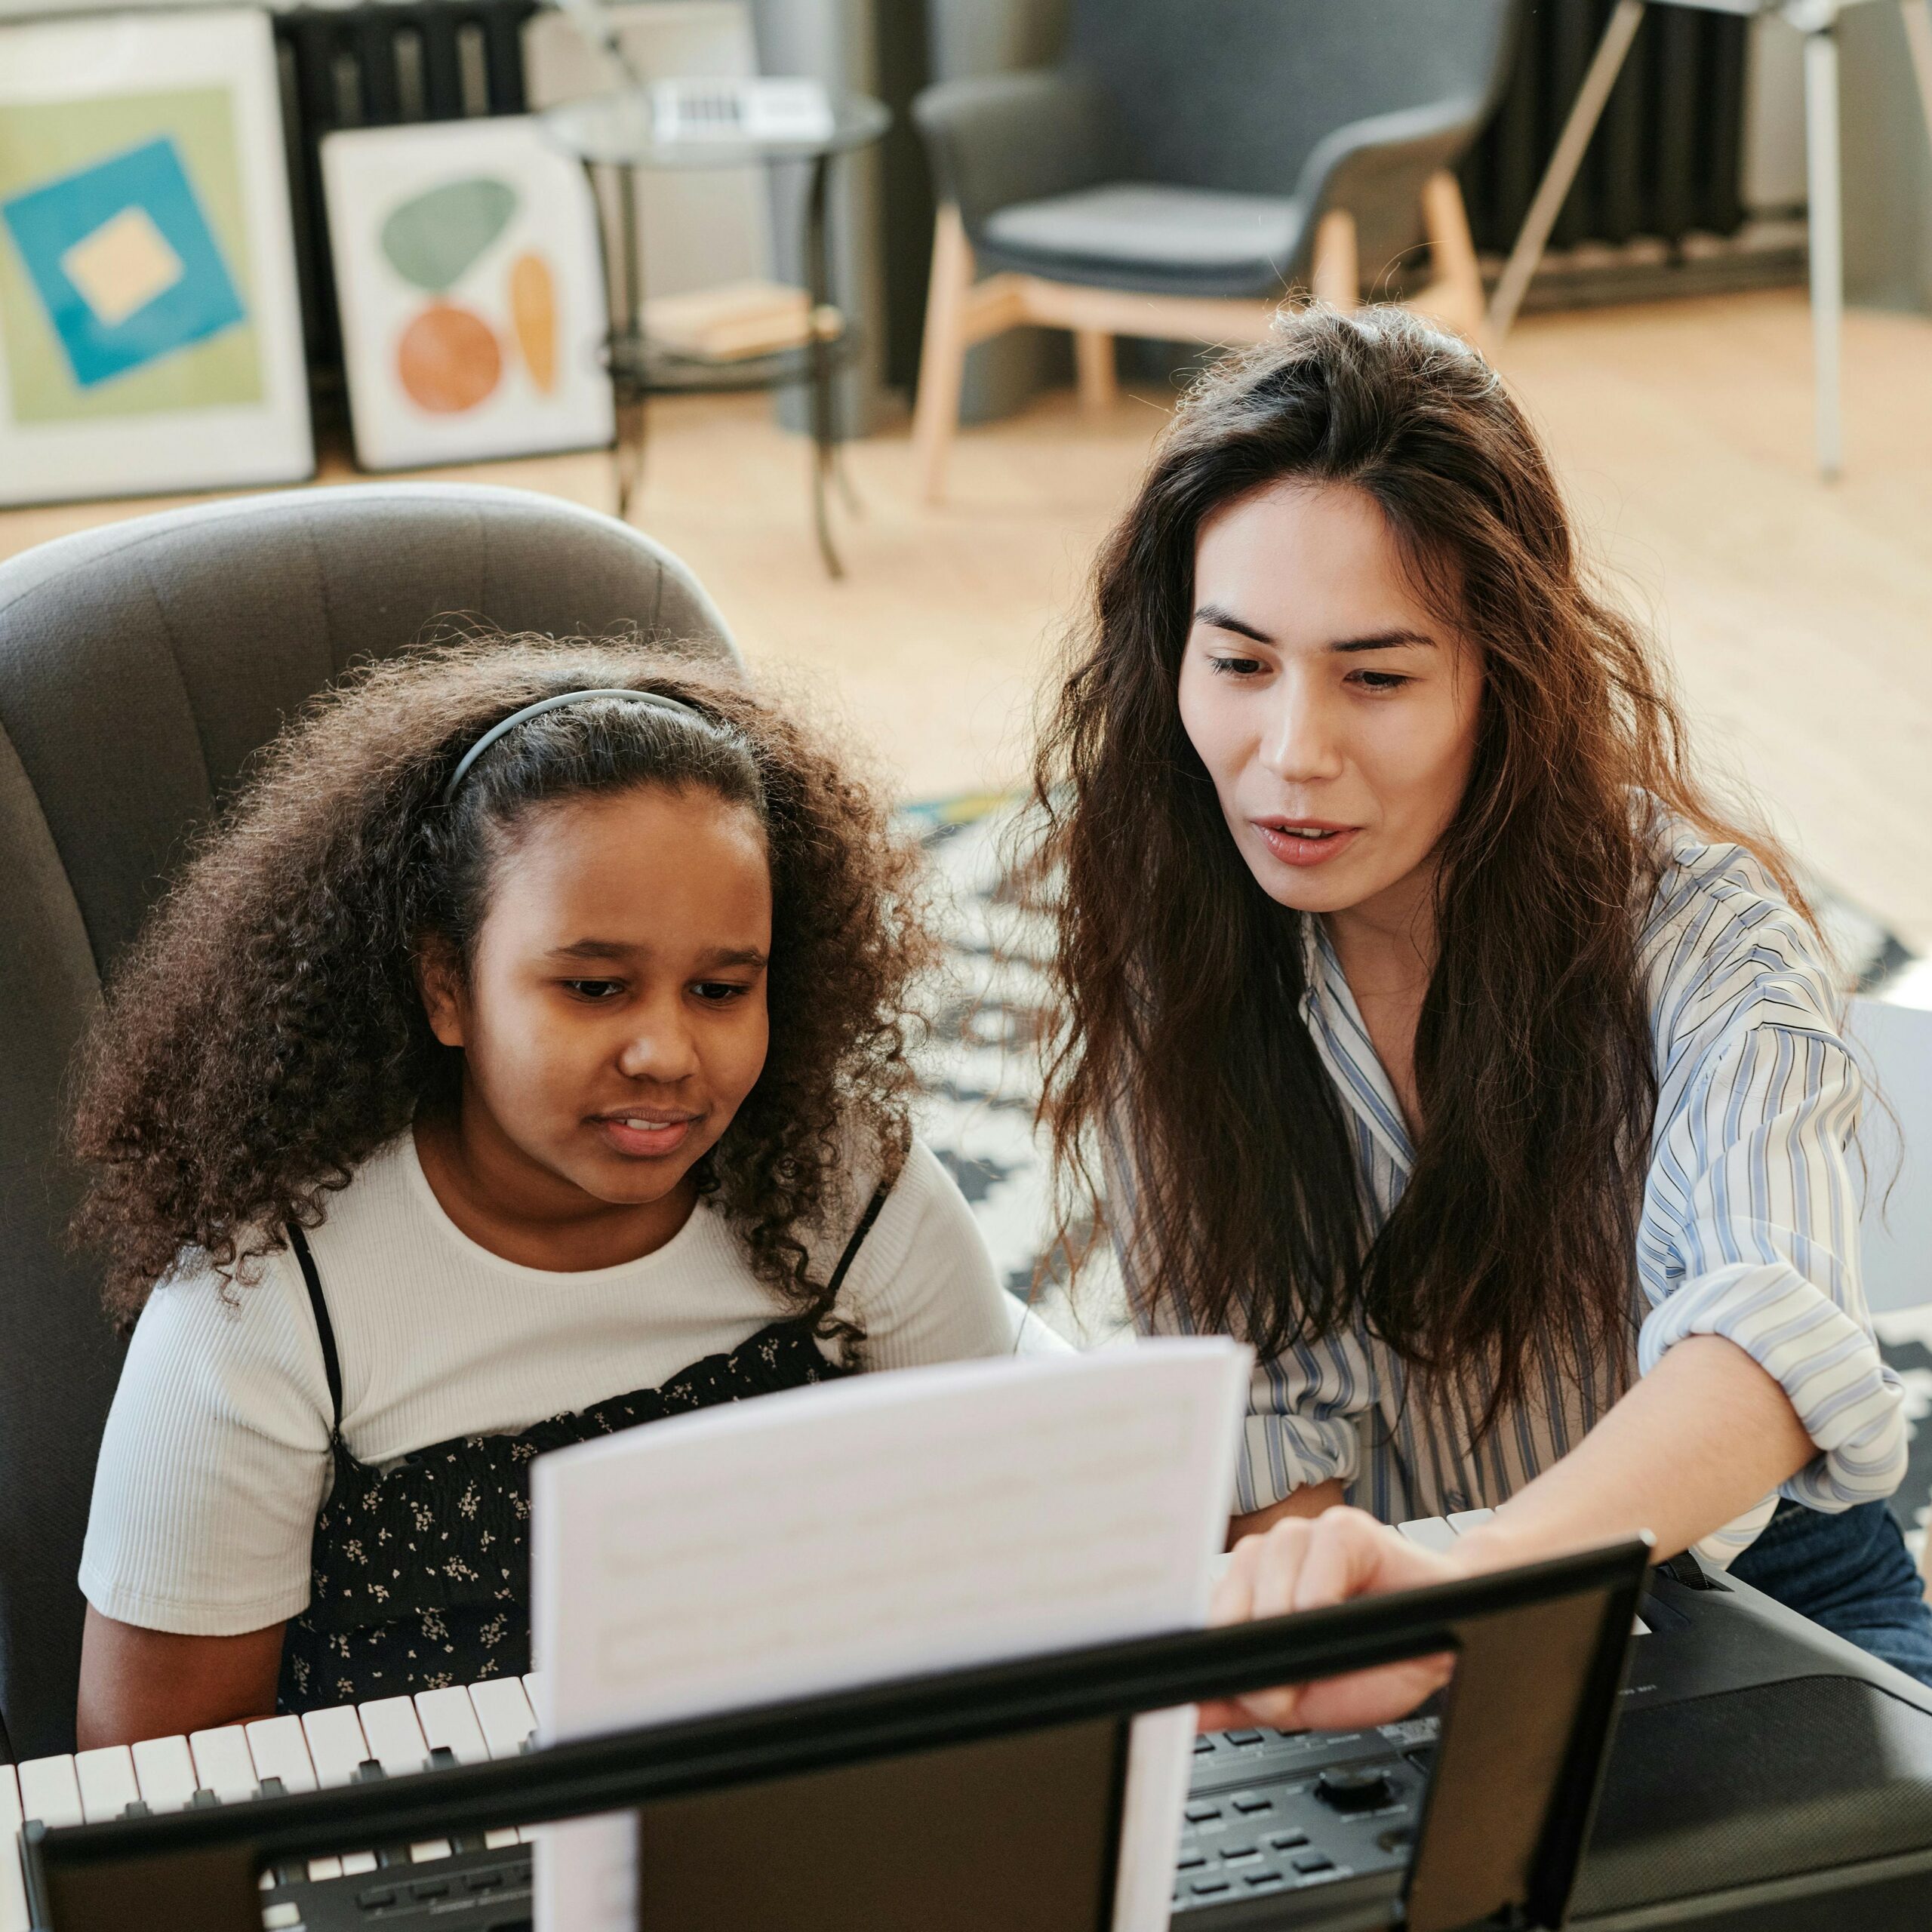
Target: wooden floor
point(1798, 614)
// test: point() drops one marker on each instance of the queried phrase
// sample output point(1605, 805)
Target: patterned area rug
point(981, 1084)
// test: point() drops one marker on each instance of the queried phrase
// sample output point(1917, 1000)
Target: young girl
point(1444, 1040)
point(521, 1060)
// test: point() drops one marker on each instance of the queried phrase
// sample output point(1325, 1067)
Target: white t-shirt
point(216, 1457)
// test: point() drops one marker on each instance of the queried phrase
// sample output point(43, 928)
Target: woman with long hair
point(1434, 1030)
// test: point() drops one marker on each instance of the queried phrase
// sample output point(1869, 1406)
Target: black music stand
point(1541, 1653)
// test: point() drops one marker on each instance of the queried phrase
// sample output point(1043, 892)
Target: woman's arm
point(1308, 1500)
point(1703, 1437)
point(137, 1683)
point(1698, 1441)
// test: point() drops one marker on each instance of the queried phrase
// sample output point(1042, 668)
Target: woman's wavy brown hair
point(265, 1035)
point(1181, 1062)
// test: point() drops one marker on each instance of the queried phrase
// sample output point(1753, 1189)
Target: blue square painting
point(122, 257)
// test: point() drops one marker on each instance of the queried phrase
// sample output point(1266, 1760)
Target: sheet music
point(924, 1520)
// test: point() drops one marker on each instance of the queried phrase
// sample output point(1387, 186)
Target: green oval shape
point(434, 236)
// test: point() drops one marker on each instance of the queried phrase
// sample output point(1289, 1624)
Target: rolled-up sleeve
point(1751, 1232)
point(1301, 1422)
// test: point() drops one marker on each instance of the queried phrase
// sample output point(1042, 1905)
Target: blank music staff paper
point(922, 1520)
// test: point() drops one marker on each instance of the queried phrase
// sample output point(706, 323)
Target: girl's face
point(1336, 716)
point(614, 1017)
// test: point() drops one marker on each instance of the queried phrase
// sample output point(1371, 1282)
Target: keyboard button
point(1310, 1862)
point(396, 1739)
point(1203, 1744)
point(1244, 1737)
point(280, 1750)
point(449, 1722)
point(223, 1764)
point(164, 1769)
point(49, 1792)
point(1239, 1854)
point(1199, 1814)
point(107, 1783)
point(13, 1882)
point(281, 1916)
point(1286, 1840)
point(1203, 1888)
point(336, 1743)
point(1258, 1880)
point(503, 1714)
point(430, 1888)
point(1247, 1807)
point(481, 1882)
point(376, 1898)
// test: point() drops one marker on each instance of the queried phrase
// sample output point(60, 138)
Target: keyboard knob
point(1353, 1789)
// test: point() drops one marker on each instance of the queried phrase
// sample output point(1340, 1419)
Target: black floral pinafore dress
point(419, 1573)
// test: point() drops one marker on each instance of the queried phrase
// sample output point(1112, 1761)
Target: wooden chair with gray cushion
point(1189, 162)
point(140, 665)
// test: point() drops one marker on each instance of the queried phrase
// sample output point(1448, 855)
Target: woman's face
point(614, 1017)
point(1335, 714)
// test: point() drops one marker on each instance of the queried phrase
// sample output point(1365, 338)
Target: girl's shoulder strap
point(858, 1240)
point(325, 1328)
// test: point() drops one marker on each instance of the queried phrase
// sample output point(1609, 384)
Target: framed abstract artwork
point(471, 287)
point(150, 335)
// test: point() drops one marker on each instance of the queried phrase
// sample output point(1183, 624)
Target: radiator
point(375, 66)
point(1668, 156)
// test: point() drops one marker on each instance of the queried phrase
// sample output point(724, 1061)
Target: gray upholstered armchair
point(1191, 161)
point(140, 665)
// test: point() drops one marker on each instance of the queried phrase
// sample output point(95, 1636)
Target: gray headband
point(671, 706)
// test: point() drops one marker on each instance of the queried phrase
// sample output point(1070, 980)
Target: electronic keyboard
point(343, 1744)
point(1760, 1764)
point(1765, 1776)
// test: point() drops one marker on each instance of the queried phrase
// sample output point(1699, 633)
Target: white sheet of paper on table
point(926, 1519)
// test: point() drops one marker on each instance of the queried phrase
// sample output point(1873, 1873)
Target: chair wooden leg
point(1456, 294)
point(942, 355)
point(1337, 270)
point(1093, 356)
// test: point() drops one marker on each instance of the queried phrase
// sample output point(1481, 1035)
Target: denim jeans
point(1850, 1572)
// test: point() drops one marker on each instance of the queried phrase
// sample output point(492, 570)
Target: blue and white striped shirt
point(1749, 1227)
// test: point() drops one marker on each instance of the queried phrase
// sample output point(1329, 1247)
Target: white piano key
point(503, 1713)
point(533, 1685)
point(325, 1868)
point(394, 1737)
point(505, 1835)
point(164, 1769)
point(280, 1749)
point(48, 1791)
point(448, 1719)
point(354, 1863)
point(223, 1763)
point(106, 1780)
point(336, 1743)
point(429, 1848)
point(1464, 1520)
point(13, 1881)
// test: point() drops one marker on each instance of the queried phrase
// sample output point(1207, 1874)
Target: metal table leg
point(1612, 51)
point(819, 272)
point(627, 385)
point(1827, 251)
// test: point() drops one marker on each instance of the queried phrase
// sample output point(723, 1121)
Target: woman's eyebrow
point(1382, 641)
point(1217, 618)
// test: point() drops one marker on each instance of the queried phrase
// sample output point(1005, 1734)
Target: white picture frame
point(469, 282)
point(150, 326)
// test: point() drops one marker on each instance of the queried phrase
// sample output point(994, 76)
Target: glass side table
point(614, 132)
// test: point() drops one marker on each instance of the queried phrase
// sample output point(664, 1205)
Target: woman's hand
point(1303, 1562)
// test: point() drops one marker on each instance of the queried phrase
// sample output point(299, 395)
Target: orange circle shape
point(448, 360)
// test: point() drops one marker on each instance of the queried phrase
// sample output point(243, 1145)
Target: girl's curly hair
point(265, 1035)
